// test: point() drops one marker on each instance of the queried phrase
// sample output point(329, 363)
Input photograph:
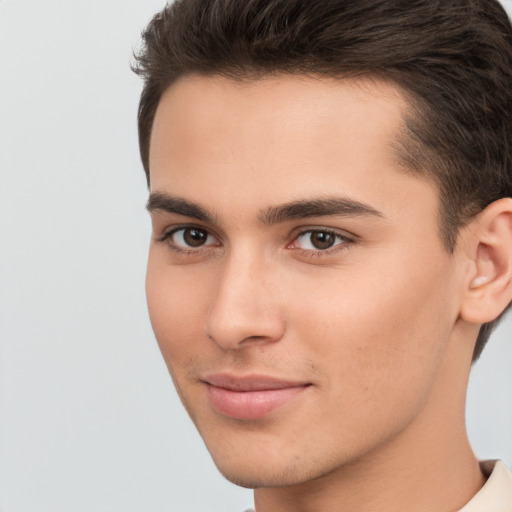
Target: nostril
point(237, 331)
point(227, 341)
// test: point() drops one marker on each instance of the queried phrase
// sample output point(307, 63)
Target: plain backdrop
point(89, 421)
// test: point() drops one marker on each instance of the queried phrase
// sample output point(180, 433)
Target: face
point(297, 284)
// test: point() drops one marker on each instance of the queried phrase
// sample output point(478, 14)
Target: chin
point(253, 478)
point(257, 468)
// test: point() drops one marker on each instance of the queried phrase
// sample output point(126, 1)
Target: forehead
point(278, 139)
point(274, 110)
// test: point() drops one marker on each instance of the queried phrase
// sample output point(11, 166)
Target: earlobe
point(489, 289)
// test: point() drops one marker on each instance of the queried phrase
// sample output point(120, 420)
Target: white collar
point(496, 494)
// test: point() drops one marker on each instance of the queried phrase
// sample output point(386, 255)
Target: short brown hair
point(452, 59)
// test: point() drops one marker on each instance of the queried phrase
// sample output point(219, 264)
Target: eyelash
point(345, 242)
point(166, 238)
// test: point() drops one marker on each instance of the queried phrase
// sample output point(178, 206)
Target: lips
point(250, 397)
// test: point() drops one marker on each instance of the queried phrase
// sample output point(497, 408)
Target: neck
point(420, 485)
point(429, 466)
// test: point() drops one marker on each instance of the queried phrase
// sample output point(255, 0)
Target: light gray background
point(89, 421)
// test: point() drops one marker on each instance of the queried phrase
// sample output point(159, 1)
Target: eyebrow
point(159, 201)
point(301, 209)
point(328, 206)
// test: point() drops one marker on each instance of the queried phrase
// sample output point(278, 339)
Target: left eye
point(192, 238)
point(318, 240)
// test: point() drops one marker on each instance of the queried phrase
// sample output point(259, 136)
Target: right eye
point(191, 238)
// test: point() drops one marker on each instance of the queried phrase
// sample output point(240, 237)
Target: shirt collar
point(496, 494)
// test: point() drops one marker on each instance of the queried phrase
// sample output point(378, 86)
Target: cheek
point(379, 335)
point(177, 308)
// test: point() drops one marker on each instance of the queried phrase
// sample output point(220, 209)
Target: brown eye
point(195, 237)
point(192, 237)
point(322, 240)
point(319, 240)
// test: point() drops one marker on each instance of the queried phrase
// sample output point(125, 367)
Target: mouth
point(250, 397)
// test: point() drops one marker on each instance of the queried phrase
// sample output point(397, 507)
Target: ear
point(488, 285)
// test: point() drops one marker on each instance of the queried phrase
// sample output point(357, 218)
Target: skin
point(379, 326)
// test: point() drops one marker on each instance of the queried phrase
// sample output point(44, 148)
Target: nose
point(244, 310)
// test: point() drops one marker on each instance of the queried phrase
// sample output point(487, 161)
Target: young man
point(331, 190)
